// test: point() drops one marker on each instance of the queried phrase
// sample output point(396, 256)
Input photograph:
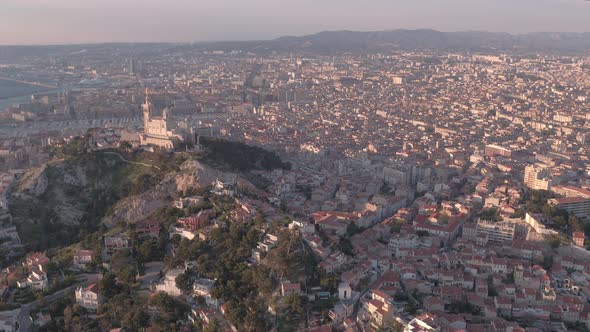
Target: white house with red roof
point(37, 279)
point(578, 238)
point(88, 297)
point(81, 258)
point(290, 288)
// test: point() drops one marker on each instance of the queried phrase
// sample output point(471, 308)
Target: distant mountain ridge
point(327, 42)
point(426, 39)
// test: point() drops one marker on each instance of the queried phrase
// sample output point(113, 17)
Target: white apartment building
point(496, 231)
point(578, 206)
point(537, 177)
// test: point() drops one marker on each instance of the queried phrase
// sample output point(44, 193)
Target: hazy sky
point(83, 21)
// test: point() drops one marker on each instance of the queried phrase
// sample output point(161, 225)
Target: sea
point(14, 93)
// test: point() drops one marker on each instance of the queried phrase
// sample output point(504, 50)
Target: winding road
point(128, 161)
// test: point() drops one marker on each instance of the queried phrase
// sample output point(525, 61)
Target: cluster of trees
point(165, 161)
point(151, 250)
point(422, 233)
point(293, 259)
point(243, 287)
point(258, 180)
point(38, 224)
point(463, 307)
point(75, 319)
point(509, 279)
point(305, 189)
point(148, 249)
point(554, 241)
point(293, 313)
point(328, 282)
point(536, 202)
point(124, 266)
point(184, 281)
point(223, 257)
point(491, 214)
point(345, 246)
point(167, 216)
point(396, 225)
point(123, 307)
point(169, 310)
point(240, 156)
point(77, 145)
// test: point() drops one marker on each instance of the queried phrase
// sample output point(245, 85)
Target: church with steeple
point(155, 129)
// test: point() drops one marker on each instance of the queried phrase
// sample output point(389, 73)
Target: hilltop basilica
point(155, 129)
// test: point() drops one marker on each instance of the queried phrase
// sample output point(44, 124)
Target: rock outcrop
point(192, 174)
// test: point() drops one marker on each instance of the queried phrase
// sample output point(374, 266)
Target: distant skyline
point(26, 22)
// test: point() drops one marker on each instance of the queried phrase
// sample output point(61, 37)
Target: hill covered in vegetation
point(61, 201)
point(64, 198)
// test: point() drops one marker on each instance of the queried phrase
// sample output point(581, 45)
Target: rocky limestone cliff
point(192, 174)
point(60, 192)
